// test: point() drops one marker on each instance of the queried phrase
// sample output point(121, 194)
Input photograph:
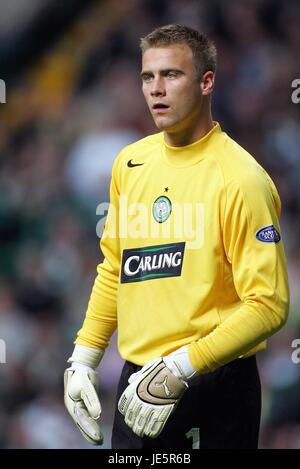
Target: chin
point(161, 125)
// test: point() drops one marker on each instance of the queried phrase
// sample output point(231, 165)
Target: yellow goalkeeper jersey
point(192, 254)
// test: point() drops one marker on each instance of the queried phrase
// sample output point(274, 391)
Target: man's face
point(171, 87)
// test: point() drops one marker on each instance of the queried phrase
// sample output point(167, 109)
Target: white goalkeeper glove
point(80, 392)
point(155, 391)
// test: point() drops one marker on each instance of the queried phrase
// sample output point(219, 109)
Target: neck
point(192, 133)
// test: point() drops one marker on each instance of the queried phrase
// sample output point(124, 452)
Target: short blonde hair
point(204, 50)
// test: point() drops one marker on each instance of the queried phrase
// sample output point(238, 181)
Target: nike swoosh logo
point(132, 165)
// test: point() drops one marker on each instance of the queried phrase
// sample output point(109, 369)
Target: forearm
point(101, 315)
point(236, 336)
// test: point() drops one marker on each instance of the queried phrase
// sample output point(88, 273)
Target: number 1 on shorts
point(194, 433)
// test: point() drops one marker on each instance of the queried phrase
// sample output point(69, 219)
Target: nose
point(158, 88)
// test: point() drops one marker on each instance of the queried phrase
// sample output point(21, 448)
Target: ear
point(207, 83)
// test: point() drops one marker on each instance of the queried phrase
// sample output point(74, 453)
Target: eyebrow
point(161, 72)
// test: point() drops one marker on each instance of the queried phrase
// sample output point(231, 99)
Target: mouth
point(160, 107)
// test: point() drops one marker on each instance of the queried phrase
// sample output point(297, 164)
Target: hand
point(80, 391)
point(81, 401)
point(154, 393)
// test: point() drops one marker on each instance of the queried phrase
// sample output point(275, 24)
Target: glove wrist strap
point(179, 363)
point(87, 356)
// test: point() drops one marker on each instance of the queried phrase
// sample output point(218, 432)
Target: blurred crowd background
point(73, 100)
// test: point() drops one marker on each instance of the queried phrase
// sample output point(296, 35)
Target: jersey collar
point(190, 154)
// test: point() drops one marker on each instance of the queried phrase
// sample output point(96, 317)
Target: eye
point(172, 74)
point(147, 77)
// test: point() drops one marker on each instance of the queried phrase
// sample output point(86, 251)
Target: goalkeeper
point(194, 273)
